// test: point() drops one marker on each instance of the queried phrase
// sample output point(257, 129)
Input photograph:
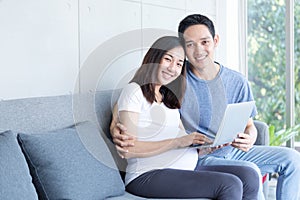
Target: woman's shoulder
point(132, 89)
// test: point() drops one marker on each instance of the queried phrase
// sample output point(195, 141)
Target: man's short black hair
point(195, 19)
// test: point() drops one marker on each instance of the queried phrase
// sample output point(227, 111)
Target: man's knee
point(292, 157)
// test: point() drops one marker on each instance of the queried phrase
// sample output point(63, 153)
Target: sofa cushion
point(15, 181)
point(72, 163)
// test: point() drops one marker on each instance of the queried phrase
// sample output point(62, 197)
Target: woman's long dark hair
point(146, 75)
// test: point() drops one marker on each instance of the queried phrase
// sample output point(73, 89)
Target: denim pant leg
point(284, 161)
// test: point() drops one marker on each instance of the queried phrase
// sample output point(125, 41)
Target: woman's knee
point(251, 182)
point(250, 174)
point(253, 166)
point(230, 187)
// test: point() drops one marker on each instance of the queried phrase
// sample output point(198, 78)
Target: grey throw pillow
point(72, 163)
point(15, 179)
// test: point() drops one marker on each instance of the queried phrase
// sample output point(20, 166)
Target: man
point(210, 87)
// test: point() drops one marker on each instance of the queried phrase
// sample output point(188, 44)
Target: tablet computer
point(234, 121)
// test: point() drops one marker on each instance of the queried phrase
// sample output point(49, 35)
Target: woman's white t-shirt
point(156, 122)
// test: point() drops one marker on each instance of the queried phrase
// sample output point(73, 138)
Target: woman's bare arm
point(147, 148)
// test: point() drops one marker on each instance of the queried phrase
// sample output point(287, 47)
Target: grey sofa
point(63, 149)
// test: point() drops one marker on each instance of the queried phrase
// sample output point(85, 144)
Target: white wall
point(38, 47)
point(58, 47)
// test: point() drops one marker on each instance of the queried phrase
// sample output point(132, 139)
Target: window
point(267, 73)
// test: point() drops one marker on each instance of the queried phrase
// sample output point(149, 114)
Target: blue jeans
point(266, 159)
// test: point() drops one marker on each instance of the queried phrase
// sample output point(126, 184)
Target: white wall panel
point(158, 21)
point(138, 1)
point(120, 71)
point(179, 4)
point(201, 6)
point(108, 28)
point(222, 30)
point(161, 17)
point(38, 48)
point(47, 47)
point(102, 20)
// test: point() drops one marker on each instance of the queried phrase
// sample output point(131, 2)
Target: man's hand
point(121, 139)
point(246, 140)
point(243, 142)
point(118, 133)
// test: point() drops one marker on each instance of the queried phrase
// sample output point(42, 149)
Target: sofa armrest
point(262, 133)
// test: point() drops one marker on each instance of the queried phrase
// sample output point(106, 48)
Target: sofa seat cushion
point(65, 167)
point(15, 179)
point(128, 196)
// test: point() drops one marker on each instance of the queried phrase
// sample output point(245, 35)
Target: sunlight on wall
point(232, 35)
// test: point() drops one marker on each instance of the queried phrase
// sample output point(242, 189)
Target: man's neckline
point(190, 70)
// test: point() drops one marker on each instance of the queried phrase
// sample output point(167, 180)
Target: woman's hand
point(193, 139)
point(207, 150)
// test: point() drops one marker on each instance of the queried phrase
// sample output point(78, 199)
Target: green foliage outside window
point(266, 64)
point(280, 137)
